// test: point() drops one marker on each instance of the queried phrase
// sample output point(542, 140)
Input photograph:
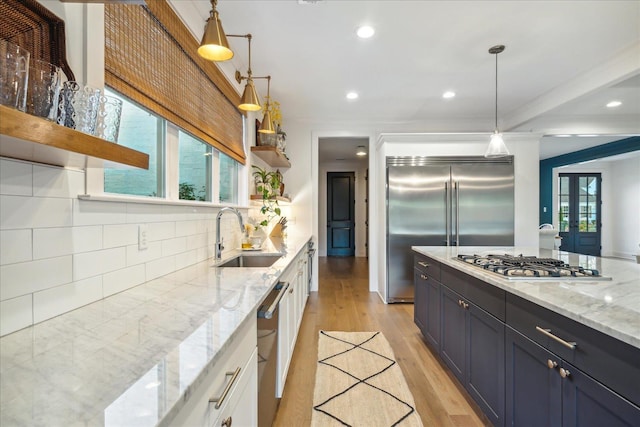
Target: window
point(145, 132)
point(194, 168)
point(228, 179)
point(204, 173)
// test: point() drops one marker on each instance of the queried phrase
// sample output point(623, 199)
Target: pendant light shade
point(267, 122)
point(497, 147)
point(214, 45)
point(250, 100)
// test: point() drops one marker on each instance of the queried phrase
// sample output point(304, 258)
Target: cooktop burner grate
point(529, 267)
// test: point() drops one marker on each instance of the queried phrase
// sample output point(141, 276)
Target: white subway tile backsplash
point(28, 277)
point(120, 235)
point(55, 301)
point(59, 253)
point(15, 246)
point(186, 259)
point(197, 241)
point(87, 238)
point(174, 246)
point(186, 228)
point(120, 280)
point(88, 212)
point(52, 242)
point(141, 213)
point(161, 231)
point(90, 264)
point(49, 181)
point(16, 178)
point(16, 313)
point(160, 267)
point(136, 256)
point(34, 212)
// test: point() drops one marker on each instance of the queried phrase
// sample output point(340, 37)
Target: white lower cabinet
point(232, 384)
point(290, 316)
point(236, 412)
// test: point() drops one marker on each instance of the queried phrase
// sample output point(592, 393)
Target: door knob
point(564, 373)
point(551, 364)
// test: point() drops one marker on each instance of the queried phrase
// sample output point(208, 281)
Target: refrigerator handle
point(457, 188)
point(446, 212)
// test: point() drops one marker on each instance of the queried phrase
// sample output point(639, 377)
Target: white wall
point(360, 205)
point(620, 194)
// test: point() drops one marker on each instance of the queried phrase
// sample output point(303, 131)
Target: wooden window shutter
point(150, 57)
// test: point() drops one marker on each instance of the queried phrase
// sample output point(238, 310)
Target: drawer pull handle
point(423, 277)
point(547, 332)
point(218, 400)
point(551, 364)
point(227, 422)
point(423, 264)
point(564, 373)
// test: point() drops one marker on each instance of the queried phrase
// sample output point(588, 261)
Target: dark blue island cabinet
point(561, 382)
point(468, 339)
point(427, 300)
point(524, 365)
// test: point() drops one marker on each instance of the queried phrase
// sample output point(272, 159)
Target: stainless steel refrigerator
point(442, 201)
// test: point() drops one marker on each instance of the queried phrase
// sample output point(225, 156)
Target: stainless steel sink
point(263, 260)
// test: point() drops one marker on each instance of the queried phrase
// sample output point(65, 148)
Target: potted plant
point(268, 187)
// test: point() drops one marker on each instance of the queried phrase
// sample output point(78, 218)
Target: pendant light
point(496, 147)
point(214, 45)
point(250, 100)
point(267, 122)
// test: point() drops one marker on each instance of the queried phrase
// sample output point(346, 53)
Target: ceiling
point(564, 60)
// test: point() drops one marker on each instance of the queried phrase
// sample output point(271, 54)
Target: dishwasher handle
point(274, 305)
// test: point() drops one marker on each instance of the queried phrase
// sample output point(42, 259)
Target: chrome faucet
point(218, 246)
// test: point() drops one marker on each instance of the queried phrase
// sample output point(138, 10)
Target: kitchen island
point(137, 357)
point(560, 351)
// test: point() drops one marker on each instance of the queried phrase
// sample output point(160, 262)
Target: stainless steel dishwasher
point(268, 354)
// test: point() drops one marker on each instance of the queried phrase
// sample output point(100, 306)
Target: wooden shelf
point(271, 156)
point(280, 199)
point(35, 139)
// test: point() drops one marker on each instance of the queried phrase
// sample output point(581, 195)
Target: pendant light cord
point(496, 128)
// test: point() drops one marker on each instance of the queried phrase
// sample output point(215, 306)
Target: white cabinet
point(232, 379)
point(290, 316)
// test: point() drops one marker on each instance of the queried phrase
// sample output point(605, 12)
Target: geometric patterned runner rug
point(359, 383)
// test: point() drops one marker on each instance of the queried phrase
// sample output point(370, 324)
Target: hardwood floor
point(344, 303)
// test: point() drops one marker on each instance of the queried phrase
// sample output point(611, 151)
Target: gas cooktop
point(531, 267)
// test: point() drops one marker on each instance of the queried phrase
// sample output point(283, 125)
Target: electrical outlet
point(142, 237)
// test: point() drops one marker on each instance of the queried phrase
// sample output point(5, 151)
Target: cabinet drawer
point(608, 360)
point(198, 411)
point(488, 297)
point(428, 266)
point(246, 391)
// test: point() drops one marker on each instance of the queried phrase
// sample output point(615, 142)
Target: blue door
point(341, 214)
point(579, 211)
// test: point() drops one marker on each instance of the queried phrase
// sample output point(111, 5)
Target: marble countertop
point(130, 359)
point(609, 306)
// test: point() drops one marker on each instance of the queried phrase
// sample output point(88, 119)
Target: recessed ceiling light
point(448, 94)
point(352, 95)
point(614, 104)
point(361, 150)
point(365, 32)
point(587, 135)
point(562, 136)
